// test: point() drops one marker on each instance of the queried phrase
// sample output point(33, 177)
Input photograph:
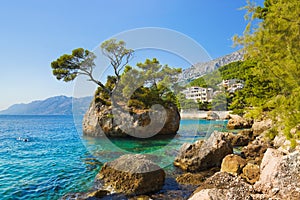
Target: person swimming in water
point(23, 139)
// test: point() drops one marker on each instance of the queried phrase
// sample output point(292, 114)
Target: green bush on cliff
point(147, 84)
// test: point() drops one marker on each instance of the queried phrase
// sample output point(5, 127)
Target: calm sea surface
point(57, 159)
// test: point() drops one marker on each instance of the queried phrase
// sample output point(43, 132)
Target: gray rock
point(280, 175)
point(212, 115)
point(255, 150)
point(132, 175)
point(238, 122)
point(222, 186)
point(204, 155)
point(259, 127)
point(102, 120)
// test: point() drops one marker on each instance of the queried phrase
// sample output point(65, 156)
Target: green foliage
point(271, 134)
point(209, 80)
point(219, 102)
point(153, 79)
point(274, 45)
point(147, 84)
point(68, 67)
point(118, 54)
point(81, 62)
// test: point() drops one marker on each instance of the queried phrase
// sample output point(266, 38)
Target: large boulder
point(221, 186)
point(237, 139)
point(204, 155)
point(280, 175)
point(255, 150)
point(195, 178)
point(233, 164)
point(132, 175)
point(238, 122)
point(259, 127)
point(104, 120)
point(251, 173)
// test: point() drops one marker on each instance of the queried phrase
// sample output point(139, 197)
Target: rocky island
point(258, 160)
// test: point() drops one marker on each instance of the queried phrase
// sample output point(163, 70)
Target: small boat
point(25, 140)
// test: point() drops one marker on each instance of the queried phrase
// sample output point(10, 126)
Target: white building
point(228, 83)
point(198, 94)
point(233, 88)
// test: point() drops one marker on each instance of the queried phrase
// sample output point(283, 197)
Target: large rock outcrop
point(203, 155)
point(255, 150)
point(280, 175)
point(233, 164)
point(259, 127)
point(102, 120)
point(132, 175)
point(238, 122)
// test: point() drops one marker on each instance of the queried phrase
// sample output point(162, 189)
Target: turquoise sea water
point(57, 159)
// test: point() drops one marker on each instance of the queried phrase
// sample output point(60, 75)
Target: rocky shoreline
point(263, 169)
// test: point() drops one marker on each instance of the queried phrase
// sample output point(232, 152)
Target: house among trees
point(198, 94)
point(232, 85)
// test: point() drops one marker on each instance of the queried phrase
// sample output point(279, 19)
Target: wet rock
point(132, 175)
point(251, 173)
point(238, 122)
point(141, 197)
point(233, 164)
point(204, 155)
point(223, 185)
point(98, 193)
point(195, 178)
point(280, 175)
point(212, 115)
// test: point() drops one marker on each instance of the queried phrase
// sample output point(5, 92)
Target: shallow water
point(57, 159)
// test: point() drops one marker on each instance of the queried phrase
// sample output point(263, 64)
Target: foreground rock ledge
point(132, 175)
point(204, 155)
point(99, 121)
point(280, 175)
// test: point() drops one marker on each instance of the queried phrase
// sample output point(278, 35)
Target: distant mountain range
point(58, 105)
point(199, 69)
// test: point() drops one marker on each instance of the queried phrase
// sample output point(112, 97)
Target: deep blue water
point(58, 159)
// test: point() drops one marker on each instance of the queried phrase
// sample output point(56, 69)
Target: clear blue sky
point(35, 32)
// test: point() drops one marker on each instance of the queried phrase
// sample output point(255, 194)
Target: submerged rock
point(101, 120)
point(204, 155)
point(132, 175)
